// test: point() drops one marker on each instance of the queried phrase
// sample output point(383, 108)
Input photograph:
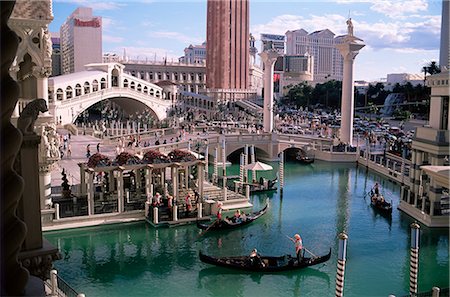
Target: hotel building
point(81, 40)
point(328, 62)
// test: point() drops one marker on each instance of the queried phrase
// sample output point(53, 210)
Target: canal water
point(319, 201)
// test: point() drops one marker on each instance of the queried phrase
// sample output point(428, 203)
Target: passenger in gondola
point(255, 259)
point(243, 217)
point(237, 216)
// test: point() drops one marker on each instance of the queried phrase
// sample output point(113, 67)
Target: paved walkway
point(78, 148)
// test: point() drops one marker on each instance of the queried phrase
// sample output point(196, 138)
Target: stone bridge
point(70, 95)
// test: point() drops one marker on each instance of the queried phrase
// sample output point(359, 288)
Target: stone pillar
point(268, 58)
point(348, 49)
point(82, 178)
point(120, 191)
point(148, 182)
point(90, 191)
point(206, 162)
point(201, 180)
point(29, 204)
point(45, 186)
point(138, 179)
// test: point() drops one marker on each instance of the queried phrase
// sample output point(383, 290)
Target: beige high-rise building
point(227, 53)
point(81, 40)
point(328, 62)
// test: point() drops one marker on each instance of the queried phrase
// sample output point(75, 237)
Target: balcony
point(430, 135)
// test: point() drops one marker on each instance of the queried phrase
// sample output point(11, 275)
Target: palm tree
point(431, 68)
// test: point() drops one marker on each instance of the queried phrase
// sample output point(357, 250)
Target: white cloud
point(399, 8)
point(100, 5)
point(283, 23)
point(175, 36)
point(421, 34)
point(113, 39)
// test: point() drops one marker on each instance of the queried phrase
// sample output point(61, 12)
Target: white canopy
point(258, 166)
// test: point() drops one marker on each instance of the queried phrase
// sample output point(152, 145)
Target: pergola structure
point(138, 181)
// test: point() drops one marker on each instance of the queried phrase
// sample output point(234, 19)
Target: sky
point(401, 36)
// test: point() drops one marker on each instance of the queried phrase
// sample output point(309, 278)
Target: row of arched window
point(94, 86)
point(138, 87)
point(172, 76)
point(197, 102)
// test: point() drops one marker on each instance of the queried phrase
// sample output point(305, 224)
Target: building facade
point(81, 40)
point(296, 69)
point(194, 54)
point(427, 199)
point(188, 77)
point(56, 54)
point(328, 62)
point(227, 53)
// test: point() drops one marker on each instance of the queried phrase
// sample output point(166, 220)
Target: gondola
point(227, 224)
point(271, 264)
point(304, 159)
point(381, 206)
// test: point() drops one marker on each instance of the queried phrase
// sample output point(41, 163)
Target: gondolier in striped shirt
point(297, 240)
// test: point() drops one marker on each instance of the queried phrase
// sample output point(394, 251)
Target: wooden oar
point(310, 252)
point(206, 230)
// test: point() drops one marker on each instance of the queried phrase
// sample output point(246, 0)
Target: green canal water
point(319, 201)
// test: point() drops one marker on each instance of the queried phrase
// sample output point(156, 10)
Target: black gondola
point(228, 224)
point(379, 204)
point(303, 159)
point(271, 264)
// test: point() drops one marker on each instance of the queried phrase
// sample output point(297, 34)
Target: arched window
point(175, 76)
point(59, 94)
point(77, 90)
point(69, 92)
point(87, 87)
point(139, 87)
point(125, 83)
point(103, 83)
point(50, 96)
point(157, 94)
point(150, 75)
point(115, 78)
point(184, 76)
point(145, 90)
point(159, 76)
point(132, 85)
point(152, 92)
point(95, 86)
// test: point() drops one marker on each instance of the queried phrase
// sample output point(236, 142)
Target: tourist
point(157, 200)
point(170, 201)
point(237, 216)
point(88, 151)
point(297, 240)
point(188, 203)
point(69, 151)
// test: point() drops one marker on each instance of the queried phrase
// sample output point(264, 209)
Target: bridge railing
point(107, 91)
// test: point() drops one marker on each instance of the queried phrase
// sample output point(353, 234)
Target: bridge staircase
point(250, 107)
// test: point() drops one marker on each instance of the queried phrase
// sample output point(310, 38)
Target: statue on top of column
point(349, 27)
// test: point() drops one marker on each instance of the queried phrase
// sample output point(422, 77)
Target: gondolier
point(297, 240)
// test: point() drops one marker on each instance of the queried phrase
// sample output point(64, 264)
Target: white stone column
point(45, 187)
point(268, 58)
point(148, 183)
point(90, 192)
point(348, 49)
point(120, 191)
point(206, 162)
